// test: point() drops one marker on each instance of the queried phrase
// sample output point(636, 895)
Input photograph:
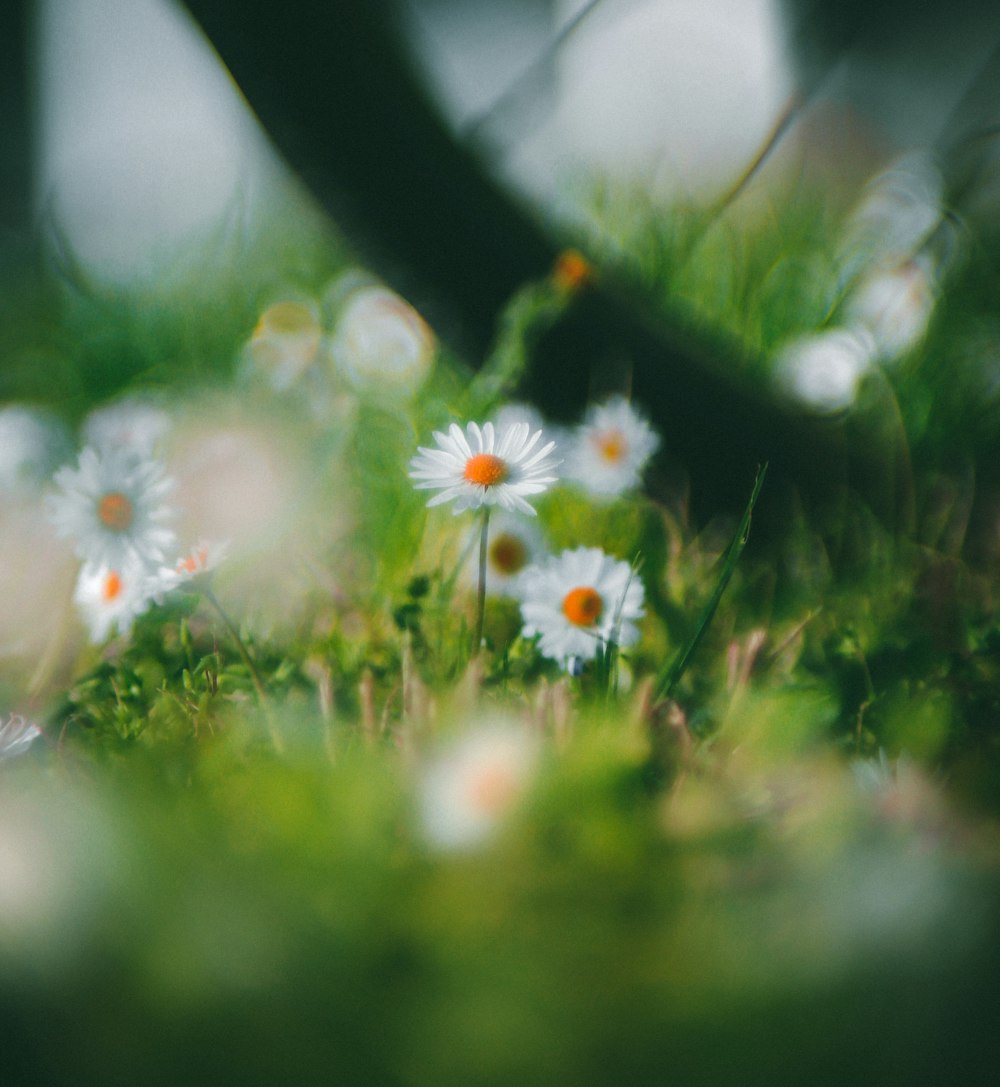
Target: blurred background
point(455, 146)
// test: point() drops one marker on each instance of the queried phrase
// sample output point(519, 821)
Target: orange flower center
point(115, 511)
point(583, 606)
point(112, 587)
point(493, 790)
point(508, 554)
point(191, 564)
point(485, 469)
point(572, 270)
point(611, 445)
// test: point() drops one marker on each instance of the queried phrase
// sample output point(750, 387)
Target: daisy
point(611, 448)
point(513, 545)
point(112, 598)
point(202, 559)
point(381, 344)
point(16, 736)
point(578, 601)
point(480, 467)
point(823, 370)
point(468, 789)
point(895, 306)
point(134, 423)
point(32, 443)
point(111, 506)
point(286, 342)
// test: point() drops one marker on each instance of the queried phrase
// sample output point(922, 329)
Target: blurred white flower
point(901, 208)
point(37, 579)
point(508, 414)
point(514, 544)
point(202, 559)
point(579, 600)
point(133, 423)
point(113, 598)
point(610, 449)
point(111, 506)
point(895, 305)
point(16, 736)
point(32, 443)
point(470, 787)
point(823, 370)
point(381, 344)
point(259, 485)
point(286, 342)
point(479, 467)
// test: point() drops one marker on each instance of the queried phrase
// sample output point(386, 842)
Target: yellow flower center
point(508, 554)
point(485, 469)
point(583, 606)
point(115, 511)
point(112, 587)
point(611, 445)
point(286, 319)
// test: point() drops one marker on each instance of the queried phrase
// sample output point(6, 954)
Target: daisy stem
point(477, 637)
point(258, 682)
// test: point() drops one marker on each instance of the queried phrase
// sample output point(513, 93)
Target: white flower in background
point(111, 506)
point(37, 578)
point(32, 443)
point(134, 424)
point(381, 344)
point(16, 736)
point(610, 449)
point(895, 306)
point(469, 788)
point(901, 208)
point(578, 601)
point(514, 544)
point(261, 484)
point(508, 414)
point(112, 598)
point(202, 559)
point(479, 467)
point(823, 371)
point(286, 342)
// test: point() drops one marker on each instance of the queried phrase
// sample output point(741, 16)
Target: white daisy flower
point(381, 344)
point(134, 423)
point(203, 558)
point(111, 506)
point(32, 443)
point(16, 736)
point(469, 788)
point(514, 544)
point(112, 598)
point(611, 448)
point(823, 370)
point(286, 342)
point(901, 209)
point(578, 601)
point(508, 414)
point(895, 306)
point(483, 468)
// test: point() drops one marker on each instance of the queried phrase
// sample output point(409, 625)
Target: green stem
point(670, 676)
point(477, 638)
point(235, 634)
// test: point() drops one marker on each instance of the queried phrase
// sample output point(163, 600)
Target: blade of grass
point(670, 676)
